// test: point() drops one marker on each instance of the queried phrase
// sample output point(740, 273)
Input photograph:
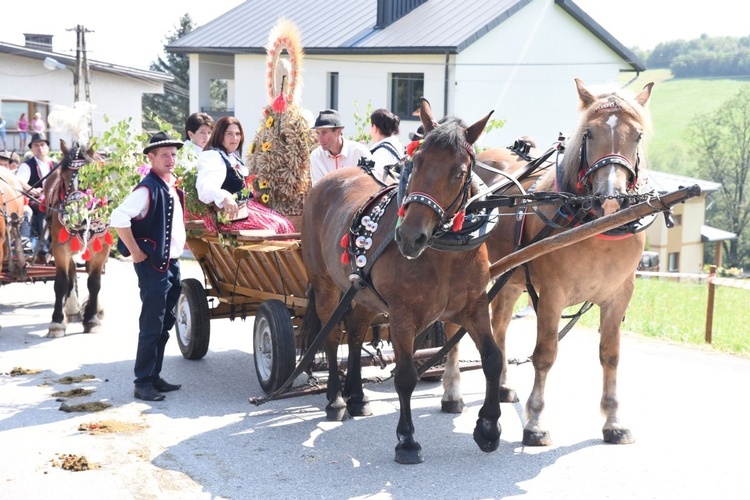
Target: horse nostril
point(421, 241)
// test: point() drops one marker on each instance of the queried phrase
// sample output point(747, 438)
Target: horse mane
point(625, 101)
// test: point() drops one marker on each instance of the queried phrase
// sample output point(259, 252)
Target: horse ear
point(425, 114)
point(586, 97)
point(473, 132)
point(644, 94)
point(63, 147)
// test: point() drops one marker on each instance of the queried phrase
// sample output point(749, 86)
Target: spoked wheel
point(193, 320)
point(273, 344)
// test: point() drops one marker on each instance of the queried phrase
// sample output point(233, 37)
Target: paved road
point(686, 406)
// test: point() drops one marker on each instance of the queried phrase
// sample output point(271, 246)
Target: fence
point(713, 281)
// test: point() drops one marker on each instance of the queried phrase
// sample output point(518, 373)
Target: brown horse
point(603, 161)
point(73, 230)
point(11, 216)
point(412, 283)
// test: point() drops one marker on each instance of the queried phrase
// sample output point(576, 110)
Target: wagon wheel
point(192, 322)
point(273, 345)
point(435, 338)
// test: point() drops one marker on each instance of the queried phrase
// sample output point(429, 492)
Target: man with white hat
point(334, 151)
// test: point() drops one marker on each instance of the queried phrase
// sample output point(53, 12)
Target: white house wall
point(524, 70)
point(116, 96)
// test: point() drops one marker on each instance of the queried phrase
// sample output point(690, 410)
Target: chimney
point(390, 11)
point(38, 42)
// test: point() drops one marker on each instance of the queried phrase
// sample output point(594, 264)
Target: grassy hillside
point(674, 104)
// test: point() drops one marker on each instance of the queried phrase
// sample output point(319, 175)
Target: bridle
point(453, 213)
point(585, 171)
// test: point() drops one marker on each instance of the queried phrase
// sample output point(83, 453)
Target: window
point(406, 89)
point(333, 91)
point(674, 262)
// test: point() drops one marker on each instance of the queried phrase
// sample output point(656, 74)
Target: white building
point(518, 57)
point(27, 86)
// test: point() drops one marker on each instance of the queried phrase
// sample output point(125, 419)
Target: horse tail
point(311, 323)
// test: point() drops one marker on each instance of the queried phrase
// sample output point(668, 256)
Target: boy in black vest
point(151, 229)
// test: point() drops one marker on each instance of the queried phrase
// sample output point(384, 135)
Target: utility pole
point(82, 70)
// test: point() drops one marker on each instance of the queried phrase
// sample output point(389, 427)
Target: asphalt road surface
point(686, 407)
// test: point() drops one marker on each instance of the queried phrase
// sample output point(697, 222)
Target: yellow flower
point(262, 184)
point(264, 198)
point(266, 146)
point(252, 148)
point(269, 121)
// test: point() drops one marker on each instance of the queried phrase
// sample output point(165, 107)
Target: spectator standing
point(3, 131)
point(334, 151)
point(151, 230)
point(37, 124)
point(387, 148)
point(23, 130)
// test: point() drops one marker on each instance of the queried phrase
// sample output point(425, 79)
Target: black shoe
point(162, 385)
point(148, 393)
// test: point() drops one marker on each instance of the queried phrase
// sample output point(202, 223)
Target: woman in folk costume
point(221, 180)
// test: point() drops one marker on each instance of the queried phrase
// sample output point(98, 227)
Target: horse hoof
point(359, 409)
point(453, 406)
point(508, 395)
point(618, 436)
point(487, 435)
point(91, 327)
point(336, 414)
point(55, 333)
point(409, 453)
point(536, 438)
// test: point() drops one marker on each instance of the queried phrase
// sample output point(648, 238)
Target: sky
point(132, 33)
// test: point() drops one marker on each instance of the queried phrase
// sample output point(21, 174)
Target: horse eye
point(640, 136)
point(587, 134)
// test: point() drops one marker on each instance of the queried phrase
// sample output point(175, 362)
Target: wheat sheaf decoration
point(279, 155)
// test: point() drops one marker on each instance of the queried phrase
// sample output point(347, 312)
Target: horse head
point(440, 180)
point(606, 152)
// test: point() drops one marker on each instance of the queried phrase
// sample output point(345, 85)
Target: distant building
point(27, 86)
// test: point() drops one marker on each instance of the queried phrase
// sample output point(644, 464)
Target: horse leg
point(452, 401)
point(502, 312)
point(63, 285)
point(408, 450)
point(92, 311)
point(356, 325)
point(609, 356)
point(326, 297)
point(487, 431)
point(545, 353)
point(72, 307)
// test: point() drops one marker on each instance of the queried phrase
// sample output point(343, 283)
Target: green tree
point(173, 106)
point(720, 142)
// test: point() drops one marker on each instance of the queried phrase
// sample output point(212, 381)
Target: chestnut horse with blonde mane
point(69, 237)
point(411, 282)
point(12, 257)
point(603, 162)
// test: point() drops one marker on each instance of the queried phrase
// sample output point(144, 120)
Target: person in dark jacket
point(151, 230)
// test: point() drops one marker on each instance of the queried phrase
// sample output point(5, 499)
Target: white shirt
point(190, 152)
point(211, 174)
point(322, 161)
point(384, 157)
point(135, 206)
point(24, 172)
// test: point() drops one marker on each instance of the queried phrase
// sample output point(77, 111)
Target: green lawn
point(674, 104)
point(677, 312)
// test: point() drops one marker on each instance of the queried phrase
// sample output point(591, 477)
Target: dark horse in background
point(71, 235)
point(604, 160)
point(411, 282)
